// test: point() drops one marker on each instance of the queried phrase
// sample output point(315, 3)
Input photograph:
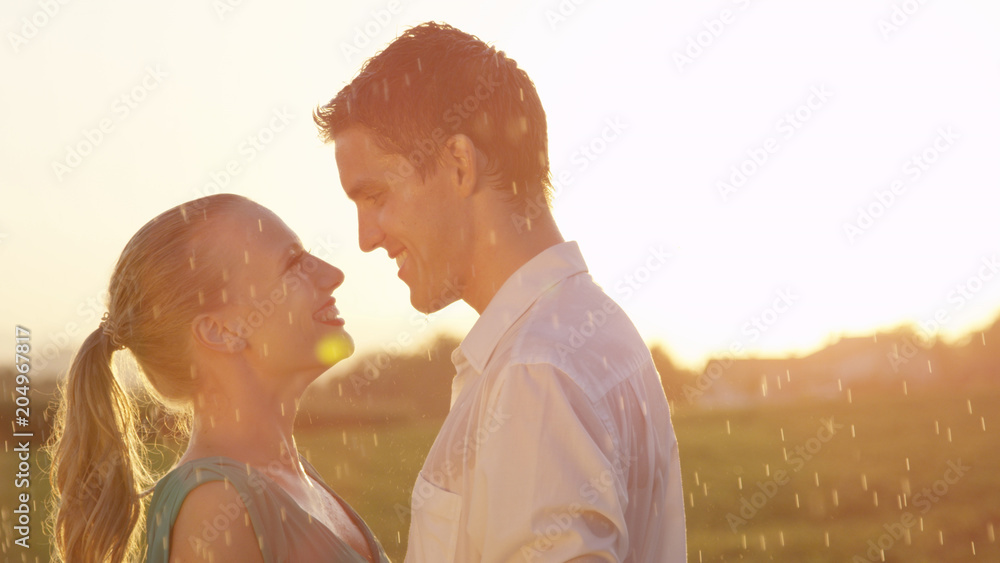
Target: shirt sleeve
point(549, 483)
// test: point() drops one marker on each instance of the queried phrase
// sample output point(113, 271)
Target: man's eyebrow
point(357, 189)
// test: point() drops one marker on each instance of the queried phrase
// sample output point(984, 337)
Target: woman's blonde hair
point(164, 277)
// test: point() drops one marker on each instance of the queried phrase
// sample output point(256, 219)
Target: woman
point(229, 319)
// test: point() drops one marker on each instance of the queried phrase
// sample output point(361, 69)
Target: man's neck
point(502, 250)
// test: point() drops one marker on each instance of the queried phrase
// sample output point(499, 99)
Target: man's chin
point(428, 305)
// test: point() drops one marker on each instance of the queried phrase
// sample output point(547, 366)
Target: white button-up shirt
point(559, 442)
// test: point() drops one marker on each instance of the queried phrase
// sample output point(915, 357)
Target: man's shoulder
point(581, 331)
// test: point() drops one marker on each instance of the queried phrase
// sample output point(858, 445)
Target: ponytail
point(165, 276)
point(98, 463)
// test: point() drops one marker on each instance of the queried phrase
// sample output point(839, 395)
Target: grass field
point(917, 476)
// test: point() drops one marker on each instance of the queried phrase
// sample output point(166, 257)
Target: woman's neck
point(248, 423)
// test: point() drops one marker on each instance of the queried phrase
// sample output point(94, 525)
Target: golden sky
point(766, 175)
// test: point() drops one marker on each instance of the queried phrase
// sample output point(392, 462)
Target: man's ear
point(210, 332)
point(464, 158)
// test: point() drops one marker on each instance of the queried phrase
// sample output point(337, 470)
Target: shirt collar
point(515, 296)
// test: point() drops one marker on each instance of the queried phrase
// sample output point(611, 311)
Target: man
point(558, 445)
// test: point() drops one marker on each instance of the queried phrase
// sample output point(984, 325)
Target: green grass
point(373, 467)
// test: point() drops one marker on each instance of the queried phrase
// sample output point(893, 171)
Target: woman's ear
point(210, 332)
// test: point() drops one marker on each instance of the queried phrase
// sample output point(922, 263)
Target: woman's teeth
point(401, 258)
point(328, 314)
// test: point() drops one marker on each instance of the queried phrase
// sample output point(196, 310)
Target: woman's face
point(278, 297)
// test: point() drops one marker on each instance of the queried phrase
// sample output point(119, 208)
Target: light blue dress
point(285, 531)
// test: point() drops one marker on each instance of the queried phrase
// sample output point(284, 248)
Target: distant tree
point(673, 378)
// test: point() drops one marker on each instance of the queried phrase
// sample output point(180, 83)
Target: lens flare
point(333, 348)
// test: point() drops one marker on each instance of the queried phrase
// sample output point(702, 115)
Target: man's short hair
point(435, 81)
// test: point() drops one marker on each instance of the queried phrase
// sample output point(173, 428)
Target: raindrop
point(728, 429)
point(949, 433)
point(982, 420)
point(816, 477)
point(739, 482)
point(969, 403)
point(781, 537)
point(836, 498)
point(375, 438)
point(905, 391)
point(875, 498)
point(937, 427)
point(853, 434)
point(849, 398)
point(691, 499)
point(907, 464)
point(744, 541)
point(763, 543)
point(782, 433)
point(989, 532)
point(704, 488)
point(941, 537)
point(826, 538)
point(697, 480)
point(797, 505)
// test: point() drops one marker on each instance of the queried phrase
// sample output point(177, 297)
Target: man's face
point(415, 220)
